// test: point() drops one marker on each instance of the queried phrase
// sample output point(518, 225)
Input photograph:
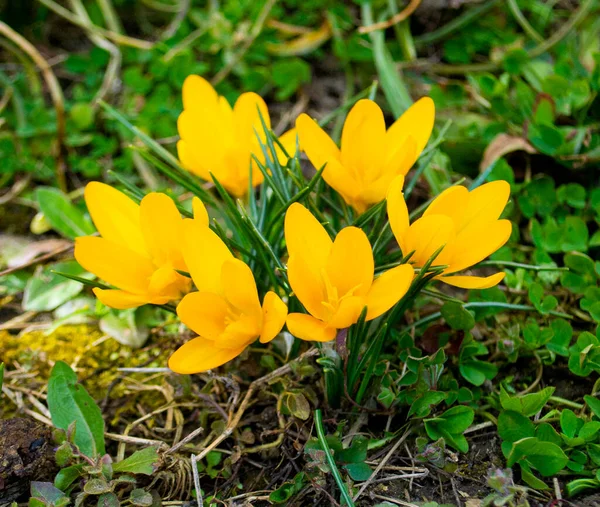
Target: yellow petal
point(427, 235)
point(189, 162)
point(350, 266)
point(120, 299)
point(166, 284)
point(401, 158)
point(246, 117)
point(348, 312)
point(388, 289)
point(474, 282)
point(162, 227)
point(477, 242)
point(363, 140)
point(204, 313)
point(198, 93)
point(204, 253)
point(317, 145)
point(239, 287)
point(289, 141)
point(417, 122)
point(377, 190)
point(274, 314)
point(307, 284)
point(398, 212)
point(308, 246)
point(452, 202)
point(306, 237)
point(308, 328)
point(115, 215)
point(115, 264)
point(200, 355)
point(240, 332)
point(206, 143)
point(486, 203)
point(338, 178)
point(200, 213)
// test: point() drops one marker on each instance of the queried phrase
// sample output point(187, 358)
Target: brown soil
point(26, 454)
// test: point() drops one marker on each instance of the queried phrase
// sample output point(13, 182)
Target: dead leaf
point(33, 250)
point(501, 145)
point(303, 44)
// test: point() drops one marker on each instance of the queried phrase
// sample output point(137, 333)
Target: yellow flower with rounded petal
point(220, 140)
point(138, 251)
point(466, 223)
point(225, 311)
point(370, 157)
point(334, 280)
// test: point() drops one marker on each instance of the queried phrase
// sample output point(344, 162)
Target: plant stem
point(530, 267)
point(330, 461)
point(486, 304)
point(522, 20)
point(123, 40)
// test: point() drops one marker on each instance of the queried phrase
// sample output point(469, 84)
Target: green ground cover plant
point(451, 396)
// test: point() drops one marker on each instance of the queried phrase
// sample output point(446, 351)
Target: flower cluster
point(151, 255)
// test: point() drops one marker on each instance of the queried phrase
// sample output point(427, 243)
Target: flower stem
point(330, 461)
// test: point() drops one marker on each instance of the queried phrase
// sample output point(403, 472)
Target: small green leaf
point(457, 316)
point(545, 457)
point(589, 431)
point(62, 215)
point(141, 498)
point(546, 138)
point(513, 426)
point(46, 492)
point(96, 487)
point(570, 423)
point(561, 339)
point(594, 453)
point(356, 453)
point(575, 234)
point(594, 404)
point(66, 476)
point(108, 500)
point(581, 263)
point(529, 404)
point(82, 115)
point(450, 426)
point(46, 290)
point(288, 489)
point(1, 377)
point(572, 194)
point(69, 402)
point(359, 471)
point(144, 462)
point(531, 480)
point(477, 372)
point(298, 406)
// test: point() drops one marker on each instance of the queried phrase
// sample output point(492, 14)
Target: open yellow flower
point(466, 222)
point(225, 312)
point(220, 140)
point(139, 249)
point(334, 280)
point(370, 158)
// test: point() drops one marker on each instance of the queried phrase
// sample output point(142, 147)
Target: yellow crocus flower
point(220, 140)
point(334, 280)
point(226, 311)
point(466, 223)
point(138, 251)
point(370, 157)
